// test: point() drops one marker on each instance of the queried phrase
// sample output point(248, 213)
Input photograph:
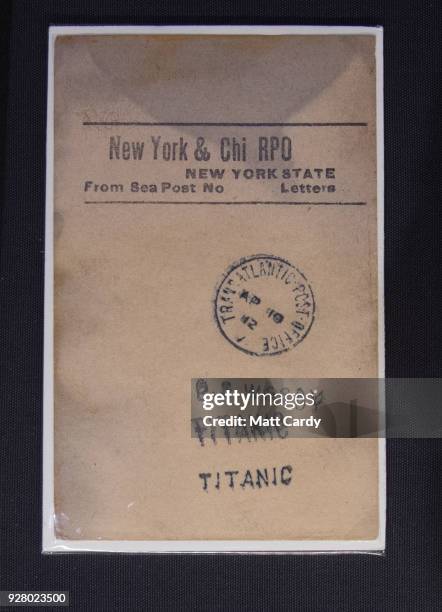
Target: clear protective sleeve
point(214, 211)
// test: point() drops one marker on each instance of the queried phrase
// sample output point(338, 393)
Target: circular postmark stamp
point(264, 305)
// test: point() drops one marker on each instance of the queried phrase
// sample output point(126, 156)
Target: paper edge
point(52, 544)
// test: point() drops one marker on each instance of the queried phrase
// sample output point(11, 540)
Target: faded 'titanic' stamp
point(264, 305)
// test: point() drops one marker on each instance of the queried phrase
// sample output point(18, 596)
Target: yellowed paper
point(175, 157)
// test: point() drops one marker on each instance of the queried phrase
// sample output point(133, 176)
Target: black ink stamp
point(247, 479)
point(264, 305)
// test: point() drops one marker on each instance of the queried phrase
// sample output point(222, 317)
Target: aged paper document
point(192, 173)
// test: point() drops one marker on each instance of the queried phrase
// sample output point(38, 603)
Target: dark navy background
point(408, 576)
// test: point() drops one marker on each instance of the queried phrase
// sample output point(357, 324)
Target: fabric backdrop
point(408, 576)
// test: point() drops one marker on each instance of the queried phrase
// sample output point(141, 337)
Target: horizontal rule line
point(232, 203)
point(220, 124)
